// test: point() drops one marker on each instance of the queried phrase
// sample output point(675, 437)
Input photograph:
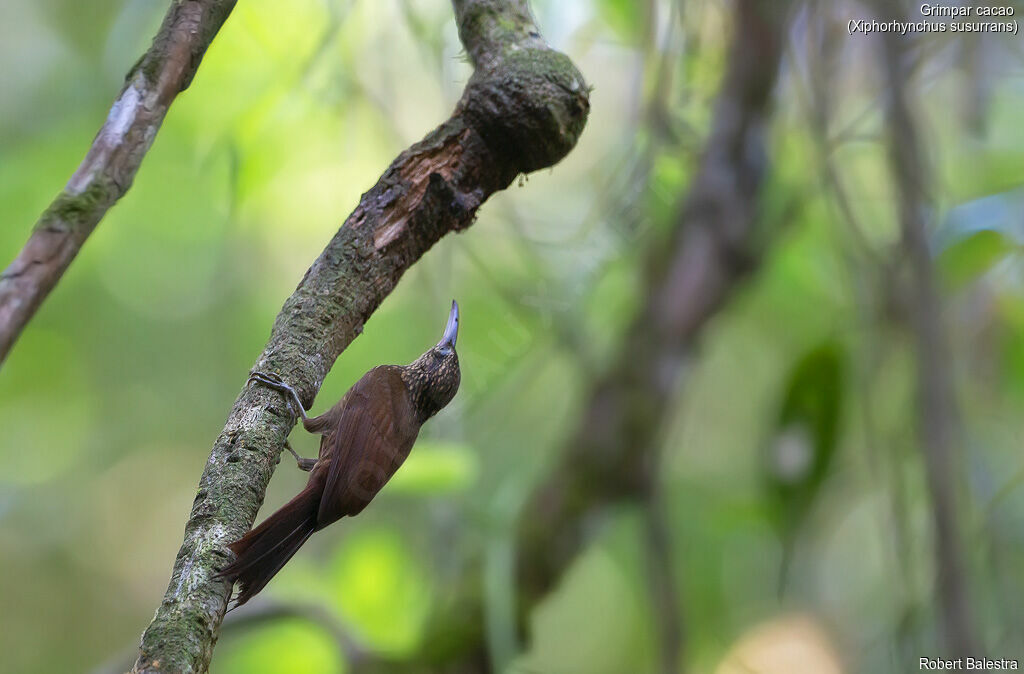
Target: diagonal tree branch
point(112, 161)
point(523, 109)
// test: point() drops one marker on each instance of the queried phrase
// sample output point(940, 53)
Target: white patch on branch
point(191, 575)
point(120, 120)
point(249, 418)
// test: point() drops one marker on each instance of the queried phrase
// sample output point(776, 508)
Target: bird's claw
point(278, 384)
point(270, 379)
point(303, 463)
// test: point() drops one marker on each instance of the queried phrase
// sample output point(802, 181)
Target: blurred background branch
point(938, 423)
point(612, 455)
point(113, 159)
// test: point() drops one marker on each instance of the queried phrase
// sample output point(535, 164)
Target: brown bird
point(366, 437)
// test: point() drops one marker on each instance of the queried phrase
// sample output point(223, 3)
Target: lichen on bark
point(523, 109)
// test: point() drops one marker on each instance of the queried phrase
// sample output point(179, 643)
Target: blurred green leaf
point(289, 646)
point(982, 171)
point(969, 258)
point(435, 468)
point(1011, 345)
point(35, 452)
point(613, 302)
point(82, 24)
point(603, 598)
point(622, 16)
point(665, 183)
point(806, 431)
point(804, 441)
point(978, 233)
point(381, 589)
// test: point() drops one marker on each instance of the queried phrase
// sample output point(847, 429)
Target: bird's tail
point(261, 553)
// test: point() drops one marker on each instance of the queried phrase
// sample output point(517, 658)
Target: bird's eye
point(444, 350)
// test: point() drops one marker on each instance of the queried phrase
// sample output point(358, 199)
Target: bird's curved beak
point(451, 331)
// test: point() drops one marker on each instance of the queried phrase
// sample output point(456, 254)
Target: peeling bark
point(112, 161)
point(523, 109)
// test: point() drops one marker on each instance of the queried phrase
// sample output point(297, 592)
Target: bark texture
point(112, 161)
point(522, 110)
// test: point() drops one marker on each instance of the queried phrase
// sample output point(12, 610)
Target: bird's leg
point(303, 463)
point(275, 382)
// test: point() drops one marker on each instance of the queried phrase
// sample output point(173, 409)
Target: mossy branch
point(523, 111)
point(112, 161)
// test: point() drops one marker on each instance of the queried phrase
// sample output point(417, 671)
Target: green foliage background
point(112, 397)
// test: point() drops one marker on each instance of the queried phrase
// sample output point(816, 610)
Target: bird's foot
point(269, 378)
point(275, 382)
point(303, 463)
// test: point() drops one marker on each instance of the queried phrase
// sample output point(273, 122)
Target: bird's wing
point(374, 434)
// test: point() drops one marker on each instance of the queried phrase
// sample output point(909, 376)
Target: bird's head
point(434, 377)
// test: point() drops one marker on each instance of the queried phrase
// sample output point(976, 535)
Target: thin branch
point(112, 161)
point(937, 415)
point(522, 110)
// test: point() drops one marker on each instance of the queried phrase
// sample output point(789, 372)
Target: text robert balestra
point(967, 664)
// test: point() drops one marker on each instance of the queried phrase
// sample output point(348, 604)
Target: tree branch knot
point(530, 108)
